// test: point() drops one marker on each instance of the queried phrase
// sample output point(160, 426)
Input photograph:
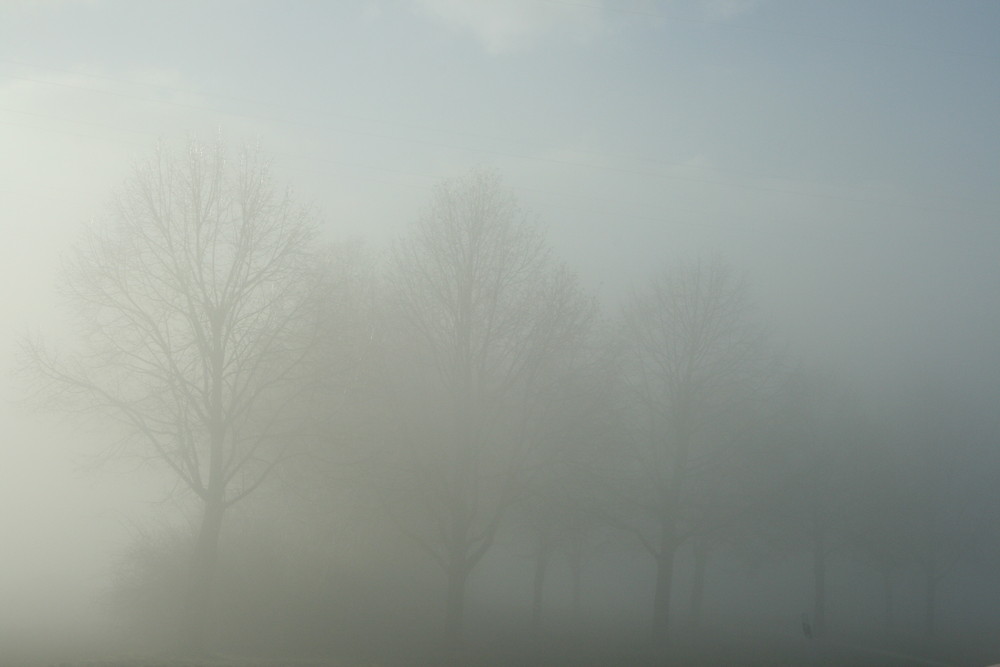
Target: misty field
point(587, 652)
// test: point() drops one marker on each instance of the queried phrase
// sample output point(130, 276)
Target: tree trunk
point(701, 555)
point(538, 589)
point(458, 575)
point(576, 567)
point(887, 600)
point(661, 597)
point(930, 583)
point(197, 620)
point(819, 584)
point(670, 499)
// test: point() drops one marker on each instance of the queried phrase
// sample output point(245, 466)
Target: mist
point(499, 332)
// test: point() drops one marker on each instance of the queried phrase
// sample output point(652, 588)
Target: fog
point(499, 332)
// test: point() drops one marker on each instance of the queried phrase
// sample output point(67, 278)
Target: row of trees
point(463, 385)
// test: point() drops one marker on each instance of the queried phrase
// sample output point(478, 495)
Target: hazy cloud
point(504, 26)
point(725, 10)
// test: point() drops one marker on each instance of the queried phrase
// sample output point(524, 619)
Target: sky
point(843, 155)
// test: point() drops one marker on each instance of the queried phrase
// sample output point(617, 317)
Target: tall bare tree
point(947, 484)
point(879, 528)
point(824, 441)
point(194, 306)
point(482, 314)
point(555, 506)
point(693, 358)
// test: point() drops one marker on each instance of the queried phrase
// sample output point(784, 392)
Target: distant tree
point(478, 315)
point(947, 484)
point(729, 487)
point(556, 506)
point(195, 307)
point(693, 356)
point(148, 580)
point(878, 524)
point(825, 443)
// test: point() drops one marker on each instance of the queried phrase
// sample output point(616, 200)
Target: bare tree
point(825, 441)
point(194, 304)
point(556, 504)
point(877, 505)
point(692, 357)
point(947, 484)
point(480, 313)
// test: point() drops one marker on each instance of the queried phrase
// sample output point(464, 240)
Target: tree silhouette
point(692, 356)
point(194, 303)
point(478, 314)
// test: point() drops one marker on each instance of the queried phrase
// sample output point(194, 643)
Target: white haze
point(844, 155)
